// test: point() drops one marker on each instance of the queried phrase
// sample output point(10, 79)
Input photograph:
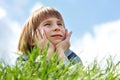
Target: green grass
point(39, 68)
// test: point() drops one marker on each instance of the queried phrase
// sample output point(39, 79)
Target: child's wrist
point(50, 53)
point(61, 54)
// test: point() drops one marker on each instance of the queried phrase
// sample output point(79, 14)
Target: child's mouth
point(57, 35)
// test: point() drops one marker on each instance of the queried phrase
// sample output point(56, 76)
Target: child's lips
point(57, 35)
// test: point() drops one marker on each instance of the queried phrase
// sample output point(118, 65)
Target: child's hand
point(64, 45)
point(42, 41)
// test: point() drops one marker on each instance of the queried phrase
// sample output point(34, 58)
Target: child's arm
point(65, 52)
point(72, 56)
point(64, 45)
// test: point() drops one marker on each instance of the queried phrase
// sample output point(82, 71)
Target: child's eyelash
point(47, 24)
point(60, 24)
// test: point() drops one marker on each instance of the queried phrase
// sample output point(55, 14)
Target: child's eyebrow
point(48, 21)
point(60, 21)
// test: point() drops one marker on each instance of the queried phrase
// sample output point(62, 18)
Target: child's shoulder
point(23, 57)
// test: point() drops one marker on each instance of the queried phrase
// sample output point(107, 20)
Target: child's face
point(54, 29)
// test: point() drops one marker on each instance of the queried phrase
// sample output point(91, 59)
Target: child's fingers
point(45, 37)
point(68, 35)
point(44, 34)
point(38, 35)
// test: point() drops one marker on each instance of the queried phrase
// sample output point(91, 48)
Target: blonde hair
point(27, 38)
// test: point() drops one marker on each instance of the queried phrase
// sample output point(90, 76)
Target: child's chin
point(56, 42)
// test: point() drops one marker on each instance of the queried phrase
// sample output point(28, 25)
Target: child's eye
point(60, 24)
point(47, 24)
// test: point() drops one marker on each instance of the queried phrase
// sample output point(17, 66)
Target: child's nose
point(57, 28)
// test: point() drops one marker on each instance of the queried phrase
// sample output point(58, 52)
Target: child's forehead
point(52, 18)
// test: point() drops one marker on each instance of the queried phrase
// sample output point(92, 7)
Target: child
point(46, 25)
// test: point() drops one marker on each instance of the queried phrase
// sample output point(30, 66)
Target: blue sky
point(82, 15)
point(95, 25)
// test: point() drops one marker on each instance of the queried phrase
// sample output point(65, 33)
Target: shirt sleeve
point(23, 57)
point(71, 56)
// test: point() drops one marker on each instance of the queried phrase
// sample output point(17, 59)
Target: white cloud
point(104, 42)
point(36, 6)
point(9, 34)
point(2, 13)
point(15, 8)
